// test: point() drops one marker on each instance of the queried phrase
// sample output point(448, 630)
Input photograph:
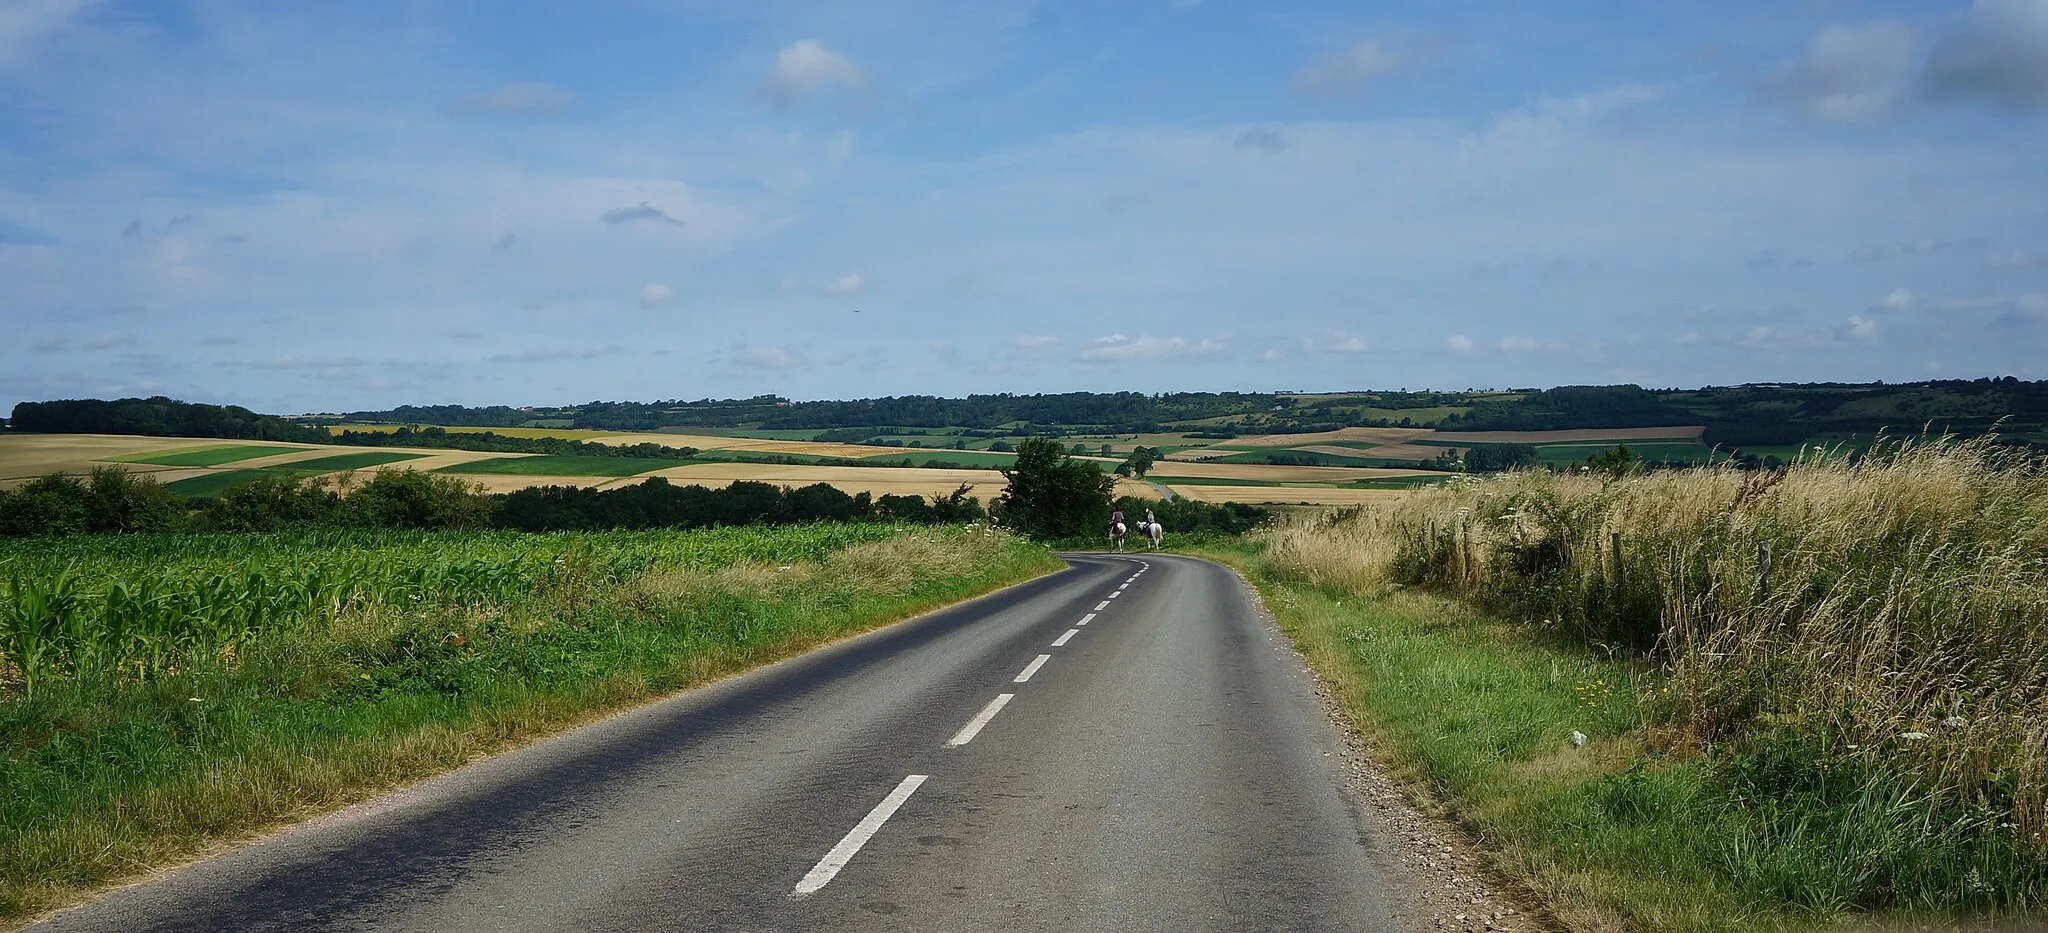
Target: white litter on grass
point(1578, 739)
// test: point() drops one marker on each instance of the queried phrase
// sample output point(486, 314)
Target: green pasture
point(1682, 452)
point(969, 458)
point(565, 465)
point(215, 483)
point(205, 456)
point(340, 462)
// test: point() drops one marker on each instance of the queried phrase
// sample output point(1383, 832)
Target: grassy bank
point(161, 694)
point(1853, 730)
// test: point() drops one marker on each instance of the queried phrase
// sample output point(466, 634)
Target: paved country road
point(1122, 746)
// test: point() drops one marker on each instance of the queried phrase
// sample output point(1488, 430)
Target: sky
point(330, 206)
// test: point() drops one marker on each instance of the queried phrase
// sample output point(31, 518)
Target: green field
point(1688, 452)
point(1258, 455)
point(565, 465)
point(1227, 481)
point(213, 484)
point(205, 456)
point(340, 462)
point(1399, 482)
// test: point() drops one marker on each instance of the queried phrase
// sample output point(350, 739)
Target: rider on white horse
point(1116, 528)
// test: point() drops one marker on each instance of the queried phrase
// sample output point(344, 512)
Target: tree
point(1052, 495)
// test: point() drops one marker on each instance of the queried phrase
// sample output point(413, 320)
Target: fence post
point(1614, 545)
point(1763, 570)
point(1464, 551)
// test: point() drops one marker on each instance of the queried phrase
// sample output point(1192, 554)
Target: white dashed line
point(1116, 594)
point(1102, 605)
point(829, 866)
point(972, 729)
point(1032, 668)
point(1061, 641)
point(1124, 584)
point(1086, 619)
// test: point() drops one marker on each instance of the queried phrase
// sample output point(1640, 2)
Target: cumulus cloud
point(1352, 68)
point(805, 66)
point(752, 357)
point(655, 293)
point(1335, 341)
point(1925, 246)
point(2000, 54)
point(1899, 300)
point(1117, 347)
point(638, 212)
point(1515, 344)
point(1860, 328)
point(846, 284)
point(1034, 341)
point(544, 354)
point(1850, 73)
point(1458, 343)
point(1268, 141)
point(519, 99)
point(1272, 355)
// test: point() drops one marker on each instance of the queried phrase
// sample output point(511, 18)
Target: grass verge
point(109, 777)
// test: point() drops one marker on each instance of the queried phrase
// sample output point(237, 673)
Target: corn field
point(133, 608)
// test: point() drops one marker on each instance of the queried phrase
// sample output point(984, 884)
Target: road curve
point(995, 765)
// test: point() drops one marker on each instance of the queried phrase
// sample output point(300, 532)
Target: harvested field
point(354, 461)
point(510, 482)
point(1313, 495)
point(1594, 435)
point(563, 465)
point(1167, 471)
point(205, 456)
point(26, 456)
point(750, 444)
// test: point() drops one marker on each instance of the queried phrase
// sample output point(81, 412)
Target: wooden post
point(1614, 545)
point(1464, 551)
point(1763, 570)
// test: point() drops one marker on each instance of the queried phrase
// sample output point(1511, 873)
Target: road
point(1121, 746)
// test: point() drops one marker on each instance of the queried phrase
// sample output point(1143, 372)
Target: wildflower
point(1955, 722)
point(1913, 736)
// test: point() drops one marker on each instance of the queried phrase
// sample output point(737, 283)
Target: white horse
point(1116, 536)
point(1153, 532)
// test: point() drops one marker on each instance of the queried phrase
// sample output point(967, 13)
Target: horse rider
point(1149, 521)
point(1116, 518)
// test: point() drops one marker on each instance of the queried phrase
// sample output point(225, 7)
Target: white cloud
point(1514, 344)
point(654, 293)
point(1034, 341)
point(299, 361)
point(846, 284)
point(1899, 300)
point(1851, 73)
point(1350, 69)
point(807, 65)
point(1458, 343)
point(764, 357)
point(1925, 246)
point(1272, 355)
point(543, 354)
point(110, 341)
point(1860, 328)
point(2000, 54)
point(1117, 347)
point(24, 20)
point(2016, 259)
point(538, 100)
point(1336, 341)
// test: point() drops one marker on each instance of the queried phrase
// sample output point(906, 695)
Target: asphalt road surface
point(1122, 746)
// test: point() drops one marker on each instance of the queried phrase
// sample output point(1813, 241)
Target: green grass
point(214, 483)
point(1258, 455)
point(205, 456)
point(388, 657)
point(1401, 482)
point(1684, 452)
point(340, 462)
point(565, 465)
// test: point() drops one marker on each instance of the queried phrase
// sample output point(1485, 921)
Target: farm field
point(750, 444)
point(571, 434)
point(26, 456)
point(1166, 472)
point(206, 456)
point(563, 465)
point(1284, 495)
point(341, 462)
point(971, 457)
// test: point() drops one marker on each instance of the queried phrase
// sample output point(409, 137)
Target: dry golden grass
point(26, 456)
point(1905, 612)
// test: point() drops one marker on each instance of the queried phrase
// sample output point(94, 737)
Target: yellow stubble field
point(1313, 495)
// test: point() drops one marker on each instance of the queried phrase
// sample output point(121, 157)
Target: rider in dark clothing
point(1115, 518)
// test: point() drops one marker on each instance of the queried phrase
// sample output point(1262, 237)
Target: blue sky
point(330, 206)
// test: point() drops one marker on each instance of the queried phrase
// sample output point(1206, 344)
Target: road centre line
point(1116, 594)
point(1124, 584)
point(973, 727)
point(1061, 641)
point(1102, 605)
point(1032, 668)
point(829, 866)
point(1085, 619)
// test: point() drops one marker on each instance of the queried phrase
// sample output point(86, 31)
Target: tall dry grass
point(1900, 627)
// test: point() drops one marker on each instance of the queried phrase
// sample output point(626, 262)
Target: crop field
point(213, 482)
point(1285, 495)
point(563, 465)
point(1166, 472)
point(1676, 453)
point(26, 456)
point(206, 456)
point(335, 463)
point(751, 444)
point(969, 457)
point(1587, 436)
